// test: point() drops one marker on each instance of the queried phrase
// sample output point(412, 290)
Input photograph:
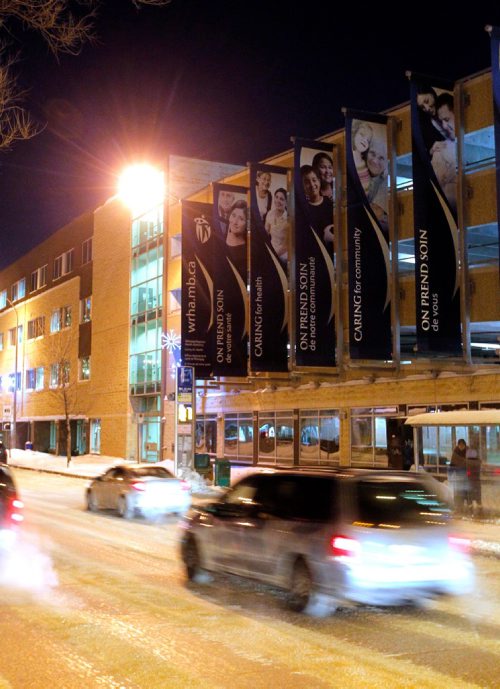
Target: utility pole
point(13, 431)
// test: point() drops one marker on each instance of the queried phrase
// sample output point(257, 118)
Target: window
point(87, 251)
point(36, 327)
point(175, 246)
point(206, 434)
point(39, 378)
point(38, 278)
point(61, 318)
point(174, 300)
point(54, 375)
point(30, 379)
point(12, 377)
point(86, 310)
point(319, 436)
point(63, 264)
point(276, 437)
point(3, 299)
point(59, 374)
point(84, 368)
point(18, 290)
point(12, 336)
point(238, 436)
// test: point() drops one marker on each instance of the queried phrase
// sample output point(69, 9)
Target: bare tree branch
point(65, 26)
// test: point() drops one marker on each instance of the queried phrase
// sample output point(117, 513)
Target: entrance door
point(81, 437)
point(150, 439)
point(95, 436)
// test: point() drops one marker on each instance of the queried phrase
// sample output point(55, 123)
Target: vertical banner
point(435, 217)
point(314, 274)
point(230, 273)
point(197, 287)
point(269, 242)
point(495, 76)
point(368, 236)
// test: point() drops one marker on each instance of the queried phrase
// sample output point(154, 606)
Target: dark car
point(134, 489)
point(356, 536)
point(11, 506)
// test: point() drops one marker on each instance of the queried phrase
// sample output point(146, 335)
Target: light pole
point(13, 430)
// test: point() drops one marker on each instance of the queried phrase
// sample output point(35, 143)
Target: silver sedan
point(138, 489)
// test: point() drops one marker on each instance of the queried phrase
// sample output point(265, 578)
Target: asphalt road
point(95, 601)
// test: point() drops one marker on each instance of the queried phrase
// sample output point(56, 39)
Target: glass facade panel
point(361, 440)
point(276, 438)
point(238, 436)
point(206, 434)
point(146, 280)
point(245, 436)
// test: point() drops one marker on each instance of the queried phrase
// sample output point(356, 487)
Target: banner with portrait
point(269, 246)
point(494, 32)
point(368, 256)
point(313, 267)
point(197, 287)
point(230, 275)
point(434, 150)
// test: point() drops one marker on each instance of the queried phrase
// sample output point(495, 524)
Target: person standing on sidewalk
point(458, 475)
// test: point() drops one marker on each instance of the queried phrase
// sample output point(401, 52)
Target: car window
point(401, 502)
point(243, 492)
point(114, 473)
point(158, 472)
point(305, 498)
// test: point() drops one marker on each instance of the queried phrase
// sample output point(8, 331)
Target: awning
point(474, 417)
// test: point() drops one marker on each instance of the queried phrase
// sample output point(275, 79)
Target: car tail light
point(14, 510)
point(460, 543)
point(342, 546)
point(140, 486)
point(184, 485)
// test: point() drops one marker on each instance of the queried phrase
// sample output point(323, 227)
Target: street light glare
point(141, 187)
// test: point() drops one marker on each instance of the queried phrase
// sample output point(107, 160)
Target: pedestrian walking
point(458, 475)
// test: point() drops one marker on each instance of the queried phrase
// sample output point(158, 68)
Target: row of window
point(60, 319)
point(63, 264)
point(59, 376)
point(379, 438)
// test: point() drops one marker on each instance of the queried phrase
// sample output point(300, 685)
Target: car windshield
point(394, 503)
point(157, 472)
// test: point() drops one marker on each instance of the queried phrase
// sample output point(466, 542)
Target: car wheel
point(91, 502)
point(301, 587)
point(124, 508)
point(192, 562)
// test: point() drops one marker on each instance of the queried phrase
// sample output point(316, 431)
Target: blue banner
point(269, 244)
point(314, 274)
point(370, 335)
point(230, 275)
point(197, 287)
point(495, 76)
point(437, 289)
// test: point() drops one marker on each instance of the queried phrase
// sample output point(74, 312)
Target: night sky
point(214, 79)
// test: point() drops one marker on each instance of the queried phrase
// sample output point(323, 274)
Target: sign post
point(184, 419)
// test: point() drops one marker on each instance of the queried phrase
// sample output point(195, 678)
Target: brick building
point(106, 292)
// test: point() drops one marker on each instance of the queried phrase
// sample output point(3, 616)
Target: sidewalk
point(484, 533)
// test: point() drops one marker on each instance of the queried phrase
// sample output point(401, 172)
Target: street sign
point(7, 412)
point(185, 381)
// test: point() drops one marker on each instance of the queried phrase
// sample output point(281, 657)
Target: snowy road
point(95, 601)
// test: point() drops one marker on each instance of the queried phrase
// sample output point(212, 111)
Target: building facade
point(91, 321)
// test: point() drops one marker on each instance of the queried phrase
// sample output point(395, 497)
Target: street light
point(13, 430)
point(141, 187)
